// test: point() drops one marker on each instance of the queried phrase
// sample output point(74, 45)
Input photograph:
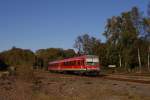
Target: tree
point(148, 35)
point(148, 9)
point(121, 34)
point(50, 54)
point(69, 53)
point(86, 44)
point(3, 65)
point(137, 20)
point(18, 56)
point(79, 45)
point(112, 34)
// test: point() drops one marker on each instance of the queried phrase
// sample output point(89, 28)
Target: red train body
point(83, 64)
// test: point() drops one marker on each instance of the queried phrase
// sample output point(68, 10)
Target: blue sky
point(35, 24)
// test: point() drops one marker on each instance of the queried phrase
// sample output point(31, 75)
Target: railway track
point(135, 79)
point(128, 80)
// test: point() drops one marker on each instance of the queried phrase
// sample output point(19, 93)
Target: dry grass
point(51, 86)
point(26, 73)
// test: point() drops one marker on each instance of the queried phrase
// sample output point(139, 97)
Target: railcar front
point(92, 64)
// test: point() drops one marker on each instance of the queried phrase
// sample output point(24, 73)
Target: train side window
point(64, 63)
point(68, 63)
point(83, 62)
point(76, 63)
point(79, 63)
point(73, 63)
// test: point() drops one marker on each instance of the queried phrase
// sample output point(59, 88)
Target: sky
point(36, 24)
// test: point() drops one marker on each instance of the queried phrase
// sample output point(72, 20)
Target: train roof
point(73, 58)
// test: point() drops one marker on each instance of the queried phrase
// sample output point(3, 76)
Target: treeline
point(127, 42)
point(17, 57)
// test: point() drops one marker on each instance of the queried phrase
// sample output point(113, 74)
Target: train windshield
point(92, 60)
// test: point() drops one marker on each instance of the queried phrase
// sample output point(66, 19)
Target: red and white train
point(87, 64)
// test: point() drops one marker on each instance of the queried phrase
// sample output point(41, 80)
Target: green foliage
point(86, 44)
point(51, 54)
point(22, 57)
point(17, 56)
point(123, 34)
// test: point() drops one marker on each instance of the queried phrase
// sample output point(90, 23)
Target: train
point(86, 64)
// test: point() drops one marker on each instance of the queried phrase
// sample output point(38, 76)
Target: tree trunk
point(139, 58)
point(148, 63)
point(120, 62)
point(125, 66)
